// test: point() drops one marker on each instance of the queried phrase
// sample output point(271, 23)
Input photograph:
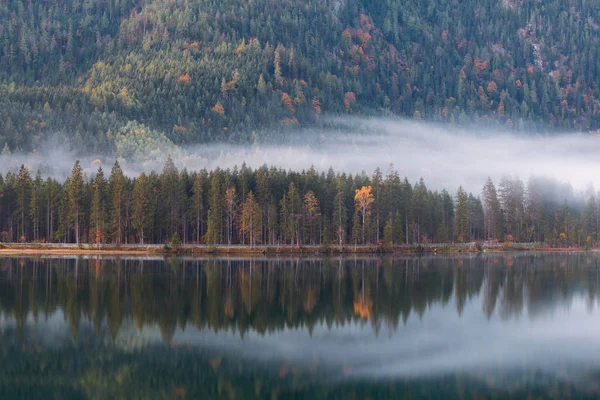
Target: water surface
point(488, 326)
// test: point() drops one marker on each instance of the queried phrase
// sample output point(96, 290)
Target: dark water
point(499, 326)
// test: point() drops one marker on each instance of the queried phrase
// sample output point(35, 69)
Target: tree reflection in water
point(162, 328)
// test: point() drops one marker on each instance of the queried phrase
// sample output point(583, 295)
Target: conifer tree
point(215, 210)
point(117, 201)
point(75, 193)
point(462, 216)
point(198, 203)
point(97, 212)
point(340, 212)
point(23, 193)
point(143, 212)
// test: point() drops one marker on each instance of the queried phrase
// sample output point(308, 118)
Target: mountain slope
point(200, 70)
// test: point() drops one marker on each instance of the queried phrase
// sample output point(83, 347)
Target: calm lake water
point(492, 326)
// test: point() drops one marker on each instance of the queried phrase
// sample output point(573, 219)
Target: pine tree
point(377, 184)
point(388, 232)
point(75, 192)
point(171, 194)
point(35, 204)
point(231, 208)
point(492, 212)
point(291, 212)
point(340, 212)
point(462, 216)
point(198, 203)
point(97, 216)
point(311, 212)
point(53, 201)
point(117, 202)
point(23, 194)
point(250, 219)
point(142, 205)
point(215, 210)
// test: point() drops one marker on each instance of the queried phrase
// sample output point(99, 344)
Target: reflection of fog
point(511, 317)
point(378, 317)
point(267, 295)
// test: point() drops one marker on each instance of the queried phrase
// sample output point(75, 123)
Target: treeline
point(227, 70)
point(270, 206)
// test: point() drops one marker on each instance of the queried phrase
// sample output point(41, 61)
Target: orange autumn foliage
point(316, 105)
point(363, 198)
point(184, 79)
point(349, 99)
point(363, 307)
point(286, 100)
point(218, 108)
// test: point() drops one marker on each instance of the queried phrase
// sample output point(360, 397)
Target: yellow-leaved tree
point(251, 218)
point(311, 211)
point(363, 198)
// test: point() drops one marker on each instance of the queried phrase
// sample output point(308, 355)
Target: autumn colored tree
point(250, 220)
point(363, 198)
point(311, 211)
point(349, 100)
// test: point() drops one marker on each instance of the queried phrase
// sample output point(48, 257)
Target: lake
point(523, 325)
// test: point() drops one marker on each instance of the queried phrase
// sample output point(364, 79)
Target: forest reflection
point(266, 295)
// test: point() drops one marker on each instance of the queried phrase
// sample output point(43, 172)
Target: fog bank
point(445, 157)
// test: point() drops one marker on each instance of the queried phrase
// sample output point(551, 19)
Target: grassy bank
point(85, 249)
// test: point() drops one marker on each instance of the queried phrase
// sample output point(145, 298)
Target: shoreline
point(141, 250)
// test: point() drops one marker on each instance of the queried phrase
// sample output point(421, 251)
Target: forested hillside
point(201, 70)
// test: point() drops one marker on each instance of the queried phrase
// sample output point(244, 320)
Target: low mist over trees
point(270, 206)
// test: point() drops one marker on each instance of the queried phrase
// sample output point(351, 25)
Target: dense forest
point(202, 70)
point(271, 206)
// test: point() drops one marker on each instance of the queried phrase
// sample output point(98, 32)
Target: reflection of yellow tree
point(310, 300)
point(363, 303)
point(363, 306)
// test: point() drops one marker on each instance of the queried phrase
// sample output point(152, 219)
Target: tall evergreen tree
point(75, 190)
point(461, 222)
point(143, 212)
point(117, 202)
point(97, 212)
point(215, 210)
point(23, 193)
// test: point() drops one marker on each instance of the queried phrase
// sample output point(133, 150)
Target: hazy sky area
point(445, 157)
